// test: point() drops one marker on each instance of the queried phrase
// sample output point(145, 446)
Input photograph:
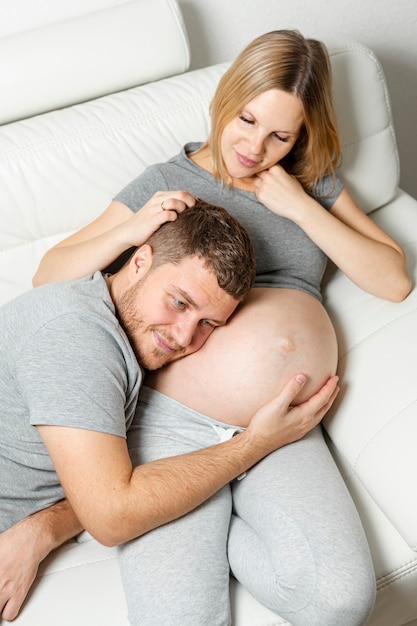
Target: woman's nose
point(257, 145)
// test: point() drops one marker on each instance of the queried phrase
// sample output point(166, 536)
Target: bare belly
point(274, 335)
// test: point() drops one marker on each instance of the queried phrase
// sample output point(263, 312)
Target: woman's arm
point(367, 254)
point(101, 242)
point(360, 248)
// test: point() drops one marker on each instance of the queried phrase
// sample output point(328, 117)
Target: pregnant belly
point(274, 335)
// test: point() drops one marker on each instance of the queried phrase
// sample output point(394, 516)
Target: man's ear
point(140, 262)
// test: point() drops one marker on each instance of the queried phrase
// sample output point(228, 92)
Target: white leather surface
point(394, 562)
point(378, 402)
point(81, 586)
point(89, 56)
point(370, 164)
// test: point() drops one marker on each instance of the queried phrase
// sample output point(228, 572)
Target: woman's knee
point(350, 605)
point(346, 600)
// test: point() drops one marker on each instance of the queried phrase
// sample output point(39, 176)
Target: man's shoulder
point(58, 308)
point(88, 293)
point(85, 303)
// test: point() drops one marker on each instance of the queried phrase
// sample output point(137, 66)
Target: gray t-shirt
point(64, 360)
point(285, 255)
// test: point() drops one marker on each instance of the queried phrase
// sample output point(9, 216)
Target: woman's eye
point(245, 119)
point(281, 138)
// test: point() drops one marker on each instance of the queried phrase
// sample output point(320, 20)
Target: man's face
point(172, 311)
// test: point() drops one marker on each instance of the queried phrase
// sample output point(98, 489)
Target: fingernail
point(300, 378)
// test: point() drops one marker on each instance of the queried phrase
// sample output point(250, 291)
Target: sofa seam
point(386, 128)
point(388, 579)
point(77, 565)
point(104, 129)
point(32, 242)
point(179, 19)
point(377, 434)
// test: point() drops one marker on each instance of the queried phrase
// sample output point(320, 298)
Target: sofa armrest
point(373, 424)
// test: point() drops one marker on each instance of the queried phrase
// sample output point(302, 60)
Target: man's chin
point(155, 362)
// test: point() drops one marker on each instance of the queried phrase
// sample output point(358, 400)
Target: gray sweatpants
point(288, 531)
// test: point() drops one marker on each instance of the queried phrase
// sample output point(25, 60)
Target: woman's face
point(262, 134)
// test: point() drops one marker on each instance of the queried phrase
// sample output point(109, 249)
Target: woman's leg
point(296, 541)
point(178, 574)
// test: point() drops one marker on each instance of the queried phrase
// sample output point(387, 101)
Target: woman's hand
point(164, 206)
point(280, 192)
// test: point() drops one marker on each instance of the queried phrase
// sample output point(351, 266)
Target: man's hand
point(279, 422)
point(19, 561)
point(24, 546)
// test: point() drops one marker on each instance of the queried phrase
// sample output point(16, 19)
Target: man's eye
point(208, 324)
point(180, 304)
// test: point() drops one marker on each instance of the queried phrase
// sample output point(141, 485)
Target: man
point(70, 379)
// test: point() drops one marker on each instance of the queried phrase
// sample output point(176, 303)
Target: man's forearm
point(53, 526)
point(116, 503)
point(172, 487)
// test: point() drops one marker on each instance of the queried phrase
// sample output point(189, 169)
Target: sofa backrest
point(370, 165)
point(86, 57)
point(59, 170)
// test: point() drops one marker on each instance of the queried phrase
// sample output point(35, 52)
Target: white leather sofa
point(85, 105)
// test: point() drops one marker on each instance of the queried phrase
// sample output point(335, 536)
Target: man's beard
point(131, 318)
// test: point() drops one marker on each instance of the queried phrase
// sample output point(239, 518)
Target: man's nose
point(183, 332)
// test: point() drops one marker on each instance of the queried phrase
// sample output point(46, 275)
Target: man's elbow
point(107, 539)
point(107, 536)
point(402, 289)
point(112, 530)
point(35, 280)
point(38, 279)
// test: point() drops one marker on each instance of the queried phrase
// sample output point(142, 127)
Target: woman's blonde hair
point(287, 61)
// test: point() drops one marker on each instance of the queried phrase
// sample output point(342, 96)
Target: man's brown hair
point(210, 233)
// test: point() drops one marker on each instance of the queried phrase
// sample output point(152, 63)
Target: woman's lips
point(245, 161)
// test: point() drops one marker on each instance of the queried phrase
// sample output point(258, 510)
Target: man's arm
point(25, 545)
point(116, 502)
point(171, 487)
